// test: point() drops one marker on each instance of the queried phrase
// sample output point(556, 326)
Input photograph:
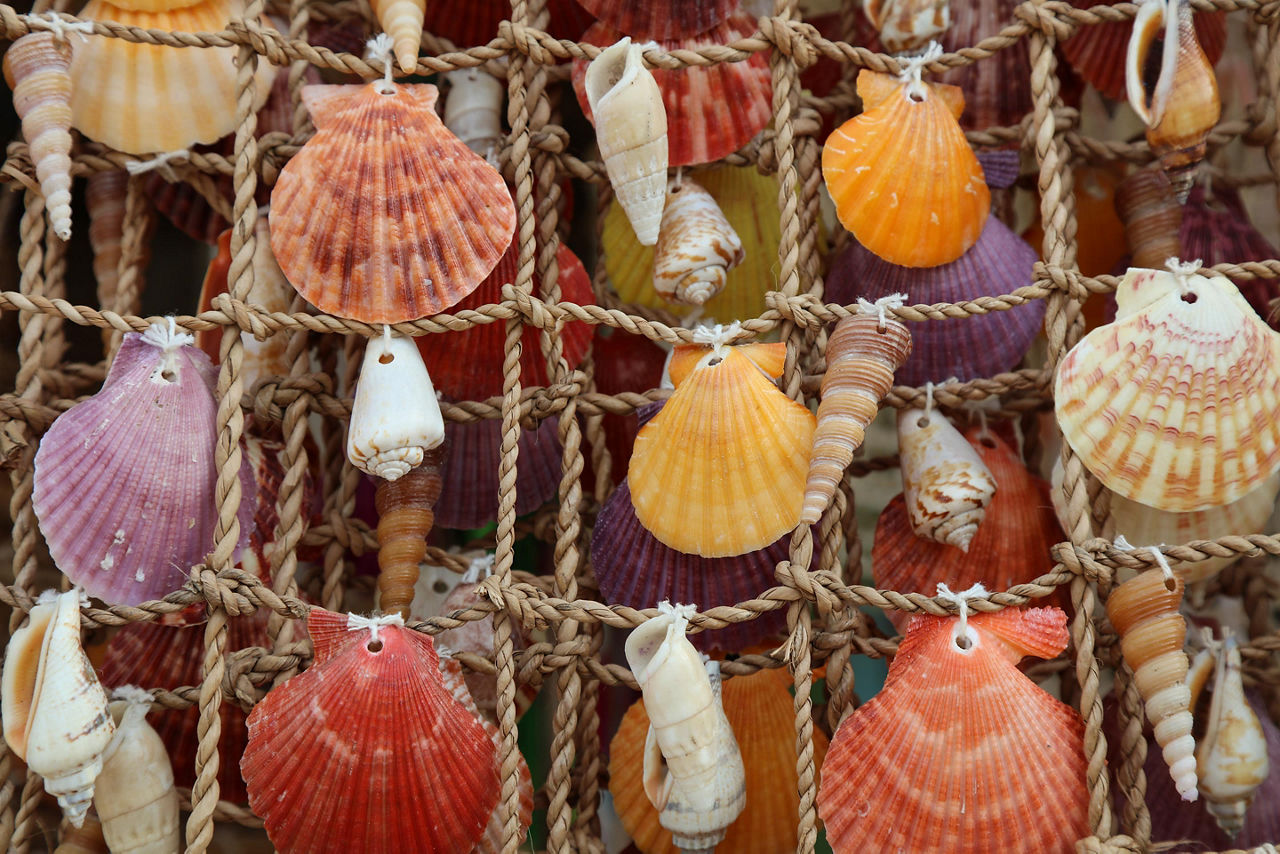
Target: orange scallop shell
point(385, 216)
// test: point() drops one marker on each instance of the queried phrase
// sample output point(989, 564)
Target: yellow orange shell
point(720, 471)
point(385, 216)
point(902, 175)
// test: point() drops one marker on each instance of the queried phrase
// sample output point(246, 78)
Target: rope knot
point(1163, 562)
point(913, 71)
point(162, 163)
point(681, 614)
point(356, 623)
point(718, 336)
point(961, 601)
point(1183, 271)
point(379, 49)
point(62, 30)
point(480, 567)
point(882, 307)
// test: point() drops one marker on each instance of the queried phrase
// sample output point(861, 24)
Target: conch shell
point(37, 68)
point(473, 108)
point(54, 709)
point(402, 21)
point(631, 130)
point(946, 485)
point(693, 772)
point(395, 418)
point(135, 799)
point(908, 25)
point(697, 247)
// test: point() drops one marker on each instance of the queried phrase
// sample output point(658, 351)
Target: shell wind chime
point(697, 247)
point(37, 69)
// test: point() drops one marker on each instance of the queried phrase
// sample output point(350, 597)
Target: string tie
point(961, 601)
point(356, 623)
point(882, 307)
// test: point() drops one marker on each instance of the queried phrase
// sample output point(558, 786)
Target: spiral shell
point(1152, 218)
point(861, 359)
point(907, 25)
point(85, 839)
point(402, 20)
point(696, 246)
point(405, 517)
point(395, 418)
point(631, 130)
point(946, 485)
point(473, 109)
point(1144, 611)
point(135, 799)
point(37, 68)
point(105, 197)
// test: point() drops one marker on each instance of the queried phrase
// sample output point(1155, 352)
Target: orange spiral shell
point(1152, 218)
point(861, 359)
point(405, 517)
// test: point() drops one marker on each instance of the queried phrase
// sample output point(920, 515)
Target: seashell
point(405, 518)
point(468, 23)
point(135, 796)
point(760, 711)
point(402, 20)
point(917, 205)
point(1152, 218)
point(54, 710)
point(711, 110)
point(473, 110)
point(720, 470)
point(945, 484)
point(265, 457)
point(1144, 612)
point(908, 25)
point(1011, 546)
point(140, 98)
point(425, 223)
point(395, 418)
point(1099, 231)
point(665, 19)
point(85, 839)
point(1174, 405)
point(105, 198)
point(968, 348)
point(469, 495)
point(36, 67)
point(381, 723)
point(861, 359)
point(1183, 105)
point(997, 93)
point(1216, 229)
point(693, 771)
point(623, 363)
point(696, 247)
point(140, 454)
point(467, 365)
point(631, 130)
point(749, 201)
point(960, 751)
point(633, 568)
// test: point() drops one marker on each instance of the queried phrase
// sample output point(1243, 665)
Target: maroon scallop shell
point(467, 23)
point(469, 497)
point(1218, 231)
point(646, 20)
point(997, 91)
point(623, 362)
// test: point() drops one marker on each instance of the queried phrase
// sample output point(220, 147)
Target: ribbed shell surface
point(469, 497)
point(660, 19)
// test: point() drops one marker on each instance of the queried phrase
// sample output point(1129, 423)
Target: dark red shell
point(475, 22)
point(646, 20)
point(623, 362)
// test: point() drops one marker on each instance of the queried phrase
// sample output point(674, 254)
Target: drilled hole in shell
point(923, 422)
point(169, 375)
point(963, 642)
point(1190, 297)
point(386, 359)
point(440, 587)
point(374, 646)
point(987, 442)
point(715, 360)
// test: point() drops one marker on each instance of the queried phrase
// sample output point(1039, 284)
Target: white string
point(882, 306)
point(961, 601)
point(50, 597)
point(166, 335)
point(717, 336)
point(161, 163)
point(928, 399)
point(1125, 546)
point(62, 29)
point(913, 68)
point(1183, 271)
point(679, 177)
point(480, 567)
point(386, 336)
point(379, 49)
point(133, 695)
point(356, 623)
point(680, 613)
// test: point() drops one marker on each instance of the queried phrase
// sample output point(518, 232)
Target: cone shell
point(945, 484)
point(104, 196)
point(1216, 229)
point(720, 470)
point(861, 359)
point(402, 20)
point(37, 67)
point(909, 25)
point(1175, 404)
point(660, 19)
point(395, 418)
point(1011, 546)
point(135, 798)
point(141, 98)
point(711, 111)
point(467, 365)
point(420, 225)
point(997, 92)
point(760, 711)
point(633, 568)
point(469, 498)
point(382, 723)
point(916, 205)
point(139, 453)
point(696, 246)
point(1144, 612)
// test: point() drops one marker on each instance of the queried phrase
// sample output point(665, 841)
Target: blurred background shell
point(474, 22)
point(646, 20)
point(997, 92)
point(469, 497)
point(623, 363)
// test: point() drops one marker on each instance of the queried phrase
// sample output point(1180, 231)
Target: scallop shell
point(135, 797)
point(661, 19)
point(1011, 546)
point(633, 568)
point(908, 25)
point(402, 20)
point(712, 110)
point(759, 709)
point(720, 471)
point(697, 247)
point(966, 348)
point(469, 498)
point(623, 363)
point(382, 723)
point(140, 98)
point(419, 228)
point(959, 751)
point(467, 365)
point(395, 419)
point(55, 711)
point(945, 484)
point(140, 454)
point(997, 92)
point(36, 69)
point(919, 204)
point(1175, 404)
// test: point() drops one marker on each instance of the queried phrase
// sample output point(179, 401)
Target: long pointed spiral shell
point(1152, 218)
point(861, 359)
point(631, 130)
point(697, 247)
point(405, 516)
point(1144, 611)
point(395, 418)
point(105, 198)
point(37, 68)
point(473, 109)
point(402, 20)
point(135, 799)
point(946, 485)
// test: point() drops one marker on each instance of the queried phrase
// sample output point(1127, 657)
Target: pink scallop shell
point(469, 498)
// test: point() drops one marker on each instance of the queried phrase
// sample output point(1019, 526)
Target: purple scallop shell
point(965, 348)
point(1220, 232)
point(1000, 168)
point(469, 497)
point(124, 481)
point(997, 92)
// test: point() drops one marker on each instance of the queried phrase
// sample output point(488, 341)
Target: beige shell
point(908, 25)
point(54, 709)
point(135, 798)
point(37, 67)
point(473, 109)
point(631, 130)
point(696, 246)
point(402, 20)
point(395, 418)
point(105, 198)
point(693, 771)
point(946, 485)
point(1176, 404)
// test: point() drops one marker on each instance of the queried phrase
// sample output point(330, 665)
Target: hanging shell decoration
point(473, 109)
point(1184, 106)
point(104, 196)
point(37, 69)
point(135, 797)
point(908, 25)
point(395, 418)
point(1152, 218)
point(405, 517)
point(401, 20)
point(946, 485)
point(693, 772)
point(54, 709)
point(697, 247)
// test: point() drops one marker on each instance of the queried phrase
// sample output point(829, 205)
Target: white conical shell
point(631, 130)
point(54, 709)
point(945, 483)
point(37, 66)
point(402, 20)
point(135, 798)
point(1231, 758)
point(473, 109)
point(697, 247)
point(395, 417)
